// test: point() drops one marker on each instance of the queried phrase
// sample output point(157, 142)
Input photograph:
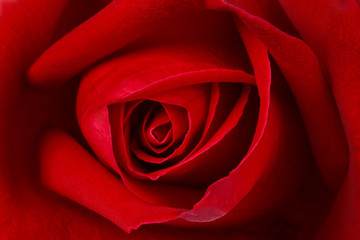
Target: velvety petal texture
point(340, 60)
point(156, 119)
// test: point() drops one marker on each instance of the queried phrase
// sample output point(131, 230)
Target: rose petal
point(154, 193)
point(102, 34)
point(179, 126)
point(196, 104)
point(222, 152)
point(241, 179)
point(143, 127)
point(96, 92)
point(338, 21)
point(27, 210)
point(70, 170)
point(318, 108)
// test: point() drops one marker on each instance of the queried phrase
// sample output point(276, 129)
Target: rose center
point(161, 133)
point(156, 130)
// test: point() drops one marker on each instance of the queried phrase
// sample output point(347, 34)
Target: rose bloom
point(180, 119)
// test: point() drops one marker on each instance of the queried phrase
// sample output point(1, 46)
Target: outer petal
point(70, 170)
point(17, 50)
point(335, 37)
point(103, 34)
point(27, 210)
point(302, 70)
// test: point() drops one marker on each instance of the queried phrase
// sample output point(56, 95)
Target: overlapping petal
point(148, 160)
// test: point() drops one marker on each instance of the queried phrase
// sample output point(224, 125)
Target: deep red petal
point(335, 38)
point(70, 170)
point(304, 75)
point(241, 179)
point(26, 210)
point(102, 34)
point(221, 153)
point(105, 85)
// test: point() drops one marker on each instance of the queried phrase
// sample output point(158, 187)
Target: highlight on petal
point(102, 34)
point(241, 179)
point(108, 84)
point(304, 75)
point(68, 169)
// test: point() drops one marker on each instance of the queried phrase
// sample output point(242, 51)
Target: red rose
point(179, 119)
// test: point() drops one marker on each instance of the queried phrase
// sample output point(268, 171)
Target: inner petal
point(187, 116)
point(160, 134)
point(159, 130)
point(156, 130)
